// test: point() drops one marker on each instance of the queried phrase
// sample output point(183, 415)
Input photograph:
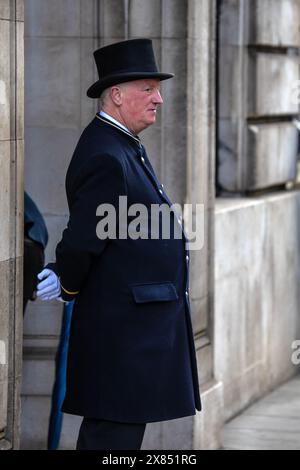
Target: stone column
point(11, 216)
point(201, 123)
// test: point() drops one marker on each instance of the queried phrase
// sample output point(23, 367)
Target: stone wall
point(257, 297)
point(256, 239)
point(11, 216)
point(258, 74)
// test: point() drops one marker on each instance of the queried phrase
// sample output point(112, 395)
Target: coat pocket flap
point(154, 292)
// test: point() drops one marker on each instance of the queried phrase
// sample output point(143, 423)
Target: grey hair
point(105, 93)
point(103, 97)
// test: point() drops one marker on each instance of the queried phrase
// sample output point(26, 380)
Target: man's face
point(140, 101)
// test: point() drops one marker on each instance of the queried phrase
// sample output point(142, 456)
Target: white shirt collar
point(109, 118)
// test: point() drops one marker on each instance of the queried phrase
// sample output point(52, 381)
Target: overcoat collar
point(120, 128)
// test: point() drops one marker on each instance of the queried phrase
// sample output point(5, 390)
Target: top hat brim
point(98, 87)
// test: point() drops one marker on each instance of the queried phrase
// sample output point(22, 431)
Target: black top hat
point(125, 61)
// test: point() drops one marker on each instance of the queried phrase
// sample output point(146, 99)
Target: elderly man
point(131, 354)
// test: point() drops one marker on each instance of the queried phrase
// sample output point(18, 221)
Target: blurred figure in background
point(35, 241)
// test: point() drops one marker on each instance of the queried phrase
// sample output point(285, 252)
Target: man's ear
point(116, 95)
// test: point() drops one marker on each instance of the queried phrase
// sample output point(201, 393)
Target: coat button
point(161, 191)
point(162, 185)
point(187, 293)
point(143, 160)
point(187, 258)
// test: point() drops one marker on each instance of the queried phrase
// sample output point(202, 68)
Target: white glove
point(49, 287)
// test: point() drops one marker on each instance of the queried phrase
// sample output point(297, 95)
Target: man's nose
point(157, 99)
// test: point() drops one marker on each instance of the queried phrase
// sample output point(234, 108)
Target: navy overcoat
point(131, 352)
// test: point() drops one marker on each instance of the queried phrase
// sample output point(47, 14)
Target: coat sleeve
point(101, 181)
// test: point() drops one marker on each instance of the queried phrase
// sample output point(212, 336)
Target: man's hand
point(49, 287)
